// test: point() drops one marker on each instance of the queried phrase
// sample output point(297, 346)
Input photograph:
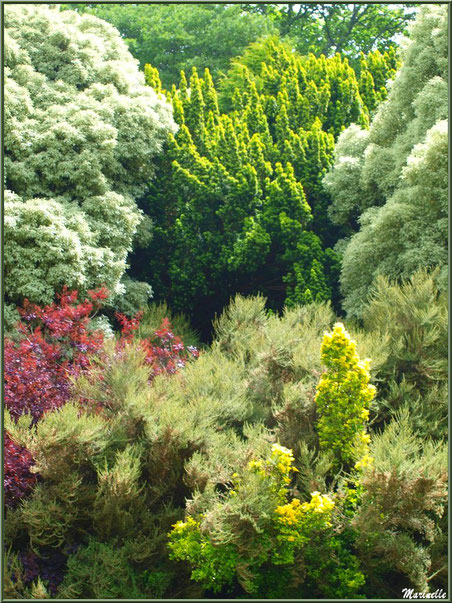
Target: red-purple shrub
point(49, 565)
point(18, 481)
point(165, 352)
point(128, 325)
point(55, 344)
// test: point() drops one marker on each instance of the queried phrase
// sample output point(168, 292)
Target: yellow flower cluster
point(290, 514)
point(281, 458)
point(364, 462)
point(320, 503)
point(281, 451)
point(181, 526)
point(257, 466)
point(296, 513)
point(284, 461)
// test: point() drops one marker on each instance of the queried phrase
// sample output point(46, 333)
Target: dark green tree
point(174, 37)
point(338, 27)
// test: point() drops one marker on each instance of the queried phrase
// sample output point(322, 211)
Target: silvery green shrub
point(390, 183)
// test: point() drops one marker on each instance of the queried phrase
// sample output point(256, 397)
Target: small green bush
point(403, 500)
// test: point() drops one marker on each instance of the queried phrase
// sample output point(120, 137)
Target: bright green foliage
point(343, 398)
point(310, 88)
point(239, 205)
point(376, 69)
point(214, 566)
point(82, 132)
point(177, 37)
point(396, 173)
point(152, 77)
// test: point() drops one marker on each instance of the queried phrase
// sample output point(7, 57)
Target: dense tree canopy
point(396, 173)
point(82, 132)
point(173, 38)
point(341, 27)
point(238, 204)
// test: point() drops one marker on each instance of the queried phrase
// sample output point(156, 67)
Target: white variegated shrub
point(81, 134)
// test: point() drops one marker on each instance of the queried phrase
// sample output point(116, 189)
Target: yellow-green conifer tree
point(343, 398)
point(239, 206)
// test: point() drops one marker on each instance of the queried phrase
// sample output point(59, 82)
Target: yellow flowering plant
point(343, 398)
point(296, 521)
point(256, 532)
point(276, 470)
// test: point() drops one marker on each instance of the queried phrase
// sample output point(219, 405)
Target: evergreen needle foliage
point(343, 398)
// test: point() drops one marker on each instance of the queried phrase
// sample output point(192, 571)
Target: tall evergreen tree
point(238, 205)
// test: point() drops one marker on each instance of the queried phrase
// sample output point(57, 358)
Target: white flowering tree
point(391, 181)
point(81, 132)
